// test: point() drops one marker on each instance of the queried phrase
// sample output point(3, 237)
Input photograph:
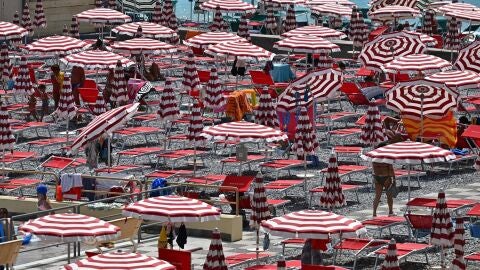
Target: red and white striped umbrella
point(157, 13)
point(332, 195)
point(57, 45)
point(214, 98)
point(288, 2)
point(428, 22)
point(391, 259)
point(119, 86)
point(149, 30)
point(442, 231)
point(468, 16)
point(195, 126)
point(426, 39)
point(143, 45)
point(236, 6)
point(39, 19)
point(324, 2)
point(244, 50)
point(10, 31)
point(317, 31)
point(322, 85)
point(96, 59)
point(469, 57)
point(452, 39)
point(167, 12)
point(190, 75)
point(376, 4)
point(394, 12)
point(334, 10)
point(26, 21)
point(5, 64)
point(270, 21)
point(139, 32)
point(7, 140)
point(66, 109)
point(100, 106)
point(74, 28)
point(16, 19)
point(385, 48)
point(418, 98)
point(306, 44)
point(244, 132)
point(70, 227)
point(23, 84)
point(456, 79)
point(215, 259)
point(173, 209)
point(218, 23)
point(260, 211)
point(408, 153)
point(305, 141)
point(314, 224)
point(120, 260)
point(243, 28)
point(417, 63)
point(290, 19)
point(105, 123)
point(281, 264)
point(458, 262)
point(211, 38)
point(65, 31)
point(102, 16)
point(456, 7)
point(265, 113)
point(373, 132)
point(168, 110)
point(173, 24)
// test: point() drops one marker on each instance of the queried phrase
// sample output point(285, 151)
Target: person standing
point(384, 179)
point(57, 78)
point(43, 202)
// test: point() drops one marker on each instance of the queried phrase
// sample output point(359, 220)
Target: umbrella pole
point(194, 157)
point(421, 118)
point(68, 122)
point(409, 178)
point(257, 250)
point(305, 173)
point(109, 147)
point(68, 252)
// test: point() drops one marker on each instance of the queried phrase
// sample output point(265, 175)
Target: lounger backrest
point(9, 252)
point(88, 95)
point(128, 227)
point(420, 222)
point(317, 267)
point(241, 182)
point(353, 93)
point(259, 77)
point(89, 84)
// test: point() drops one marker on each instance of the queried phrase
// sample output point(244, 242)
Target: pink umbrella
point(428, 22)
point(100, 106)
point(149, 30)
point(190, 75)
point(260, 211)
point(459, 244)
point(157, 13)
point(143, 46)
point(7, 140)
point(442, 229)
point(265, 114)
point(10, 31)
point(195, 127)
point(243, 28)
point(394, 13)
point(358, 30)
point(323, 2)
point(244, 132)
point(332, 10)
point(306, 44)
point(66, 106)
point(427, 40)
point(305, 142)
point(39, 19)
point(23, 85)
point(16, 19)
point(290, 20)
point(96, 59)
point(456, 79)
point(270, 21)
point(26, 21)
point(244, 50)
point(119, 86)
point(211, 38)
point(373, 132)
point(214, 98)
point(417, 63)
point(317, 31)
point(57, 45)
point(457, 7)
point(469, 16)
point(102, 16)
point(391, 258)
point(218, 22)
point(168, 110)
point(376, 4)
point(332, 195)
point(235, 6)
point(215, 259)
point(74, 28)
point(469, 57)
point(119, 259)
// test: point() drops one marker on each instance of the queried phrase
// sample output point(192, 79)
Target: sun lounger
point(177, 138)
point(403, 174)
point(290, 243)
point(138, 152)
point(474, 211)
point(141, 131)
point(283, 185)
point(211, 179)
point(381, 223)
point(17, 157)
point(461, 159)
point(20, 128)
point(347, 170)
point(290, 264)
point(13, 185)
point(454, 205)
point(338, 117)
point(177, 155)
point(278, 165)
point(356, 246)
point(169, 174)
point(120, 169)
point(316, 192)
point(343, 133)
point(404, 250)
point(278, 204)
point(473, 257)
point(42, 144)
point(322, 267)
point(245, 258)
point(60, 164)
point(348, 151)
point(128, 231)
point(232, 161)
point(144, 119)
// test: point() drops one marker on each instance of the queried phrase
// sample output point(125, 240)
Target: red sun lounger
point(356, 246)
point(145, 118)
point(453, 204)
point(60, 164)
point(315, 192)
point(144, 132)
point(17, 157)
point(45, 143)
point(232, 161)
point(245, 258)
point(177, 155)
point(290, 243)
point(347, 170)
point(404, 250)
point(348, 151)
point(322, 267)
point(473, 257)
point(20, 128)
point(120, 169)
point(475, 211)
point(138, 152)
point(290, 264)
point(283, 185)
point(211, 179)
point(343, 133)
point(169, 174)
point(380, 223)
point(12, 185)
point(278, 165)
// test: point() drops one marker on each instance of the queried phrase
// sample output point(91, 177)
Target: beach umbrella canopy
point(105, 123)
point(288, 2)
point(306, 44)
point(190, 75)
point(376, 4)
point(57, 45)
point(7, 140)
point(120, 260)
point(39, 19)
point(324, 2)
point(372, 131)
point(317, 31)
point(211, 38)
point(195, 126)
point(23, 84)
point(290, 20)
point(70, 227)
point(426, 39)
point(11, 31)
point(270, 21)
point(66, 106)
point(449, 6)
point(119, 85)
point(358, 30)
point(394, 13)
point(172, 208)
point(235, 6)
point(469, 16)
point(168, 108)
point(265, 113)
point(305, 140)
point(26, 21)
point(243, 28)
point(452, 39)
point(102, 16)
point(314, 224)
point(391, 258)
point(332, 195)
point(74, 28)
point(215, 259)
point(149, 30)
point(456, 79)
point(333, 10)
point(157, 13)
point(442, 231)
point(214, 98)
point(259, 204)
point(458, 262)
point(469, 57)
point(96, 59)
point(100, 106)
point(244, 132)
point(322, 85)
point(218, 22)
point(385, 48)
point(244, 50)
point(417, 63)
point(418, 98)
point(143, 45)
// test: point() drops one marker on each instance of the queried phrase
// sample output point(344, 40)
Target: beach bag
point(392, 190)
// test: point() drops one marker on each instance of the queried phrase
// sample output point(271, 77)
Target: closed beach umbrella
point(270, 21)
point(373, 132)
point(260, 211)
point(168, 110)
point(391, 258)
point(23, 85)
point(195, 127)
point(332, 195)
point(120, 260)
point(119, 85)
point(5, 64)
point(452, 39)
point(290, 20)
point(442, 231)
point(65, 31)
point(218, 22)
point(7, 140)
point(305, 141)
point(215, 259)
point(112, 4)
point(173, 24)
point(66, 106)
point(39, 19)
point(214, 98)
point(26, 21)
point(458, 262)
point(190, 75)
point(74, 28)
point(428, 22)
point(243, 28)
point(358, 30)
point(265, 113)
point(157, 13)
point(99, 106)
point(16, 19)
point(167, 12)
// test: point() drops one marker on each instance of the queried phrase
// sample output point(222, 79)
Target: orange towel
point(237, 105)
point(445, 129)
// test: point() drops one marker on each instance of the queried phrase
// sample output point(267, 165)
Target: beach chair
point(260, 79)
point(347, 171)
point(139, 152)
point(419, 225)
point(404, 250)
point(381, 223)
point(140, 131)
point(42, 144)
point(472, 257)
point(343, 133)
point(128, 231)
point(169, 174)
point(9, 252)
point(348, 152)
point(354, 95)
point(240, 259)
point(454, 205)
point(17, 157)
point(292, 243)
point(210, 179)
point(144, 119)
point(18, 184)
point(120, 169)
point(232, 161)
point(58, 164)
point(316, 192)
point(20, 128)
point(330, 119)
point(278, 165)
point(356, 246)
point(178, 155)
point(283, 185)
point(290, 264)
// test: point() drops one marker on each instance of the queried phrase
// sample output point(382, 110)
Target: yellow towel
point(445, 128)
